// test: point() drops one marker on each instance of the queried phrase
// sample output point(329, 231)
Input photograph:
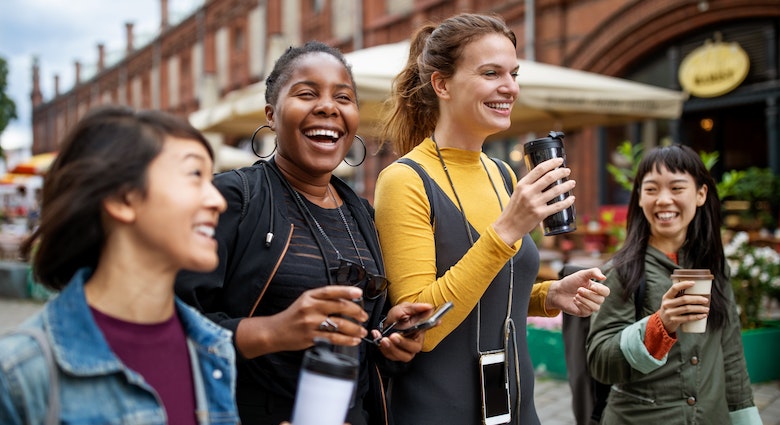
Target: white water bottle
point(325, 387)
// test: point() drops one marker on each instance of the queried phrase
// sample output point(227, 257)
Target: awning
point(238, 113)
point(14, 179)
point(36, 165)
point(550, 98)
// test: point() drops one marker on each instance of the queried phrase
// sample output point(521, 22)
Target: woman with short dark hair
point(300, 258)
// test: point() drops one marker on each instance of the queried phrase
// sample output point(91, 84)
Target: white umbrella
point(550, 98)
point(238, 113)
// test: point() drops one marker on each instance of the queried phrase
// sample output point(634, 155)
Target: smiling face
point(480, 95)
point(669, 202)
point(315, 116)
point(175, 219)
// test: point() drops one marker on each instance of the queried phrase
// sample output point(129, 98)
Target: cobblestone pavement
point(552, 396)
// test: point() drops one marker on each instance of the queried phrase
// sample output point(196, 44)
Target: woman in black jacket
point(299, 255)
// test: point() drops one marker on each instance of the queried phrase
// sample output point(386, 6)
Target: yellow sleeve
point(538, 298)
point(407, 240)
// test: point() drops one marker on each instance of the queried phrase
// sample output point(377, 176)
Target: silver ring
point(328, 325)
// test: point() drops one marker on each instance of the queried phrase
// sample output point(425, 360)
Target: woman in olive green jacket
point(658, 373)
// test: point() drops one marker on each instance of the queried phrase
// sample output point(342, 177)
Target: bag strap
point(244, 193)
point(53, 412)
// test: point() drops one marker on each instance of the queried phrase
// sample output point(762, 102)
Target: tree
point(7, 105)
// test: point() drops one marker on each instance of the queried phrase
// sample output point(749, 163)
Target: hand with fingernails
point(396, 346)
point(326, 312)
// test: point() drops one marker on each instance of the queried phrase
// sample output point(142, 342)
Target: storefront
point(732, 114)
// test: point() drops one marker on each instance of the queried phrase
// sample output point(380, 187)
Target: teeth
point(322, 132)
point(205, 230)
point(499, 105)
point(667, 216)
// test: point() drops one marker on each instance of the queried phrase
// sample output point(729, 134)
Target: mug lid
point(545, 143)
point(553, 139)
point(693, 274)
point(320, 359)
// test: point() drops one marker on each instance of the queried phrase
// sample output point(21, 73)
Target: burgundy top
point(159, 353)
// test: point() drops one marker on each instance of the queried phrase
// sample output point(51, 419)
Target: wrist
point(549, 300)
point(251, 337)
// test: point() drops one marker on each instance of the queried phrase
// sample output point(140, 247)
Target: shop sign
point(714, 69)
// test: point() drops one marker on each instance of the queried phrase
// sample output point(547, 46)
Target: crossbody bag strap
point(53, 412)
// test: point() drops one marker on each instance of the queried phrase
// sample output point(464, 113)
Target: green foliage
point(755, 273)
point(615, 230)
point(757, 184)
point(709, 159)
point(631, 154)
point(760, 187)
point(728, 183)
point(7, 105)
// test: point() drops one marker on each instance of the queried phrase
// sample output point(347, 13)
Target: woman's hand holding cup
point(687, 303)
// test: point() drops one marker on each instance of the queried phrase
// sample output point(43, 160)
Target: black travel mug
point(325, 386)
point(538, 151)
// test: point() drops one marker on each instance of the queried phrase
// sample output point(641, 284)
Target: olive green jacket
point(702, 380)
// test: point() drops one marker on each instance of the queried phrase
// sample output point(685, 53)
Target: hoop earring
point(365, 151)
point(252, 143)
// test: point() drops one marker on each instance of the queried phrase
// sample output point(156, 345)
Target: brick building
point(227, 46)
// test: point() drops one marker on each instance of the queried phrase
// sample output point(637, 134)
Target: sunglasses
point(349, 273)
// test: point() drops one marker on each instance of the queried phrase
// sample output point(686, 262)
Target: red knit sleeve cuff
point(657, 340)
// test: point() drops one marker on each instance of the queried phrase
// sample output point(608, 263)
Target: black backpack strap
point(504, 175)
point(244, 193)
point(426, 179)
point(53, 411)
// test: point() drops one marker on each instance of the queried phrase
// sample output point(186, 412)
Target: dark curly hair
point(283, 67)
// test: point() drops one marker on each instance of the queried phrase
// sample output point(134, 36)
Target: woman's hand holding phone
point(418, 323)
point(409, 321)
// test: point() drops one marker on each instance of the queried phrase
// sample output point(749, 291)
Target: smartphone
point(495, 388)
point(419, 323)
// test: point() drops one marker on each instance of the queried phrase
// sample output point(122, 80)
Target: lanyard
point(508, 324)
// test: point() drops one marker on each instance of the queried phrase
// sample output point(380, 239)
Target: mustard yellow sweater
point(406, 235)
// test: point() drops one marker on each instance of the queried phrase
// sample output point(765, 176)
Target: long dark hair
point(413, 107)
point(703, 247)
point(106, 155)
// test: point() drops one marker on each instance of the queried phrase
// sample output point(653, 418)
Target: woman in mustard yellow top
point(452, 230)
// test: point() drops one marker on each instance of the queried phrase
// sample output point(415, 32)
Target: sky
point(60, 32)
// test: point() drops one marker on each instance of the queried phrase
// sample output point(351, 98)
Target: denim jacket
point(95, 386)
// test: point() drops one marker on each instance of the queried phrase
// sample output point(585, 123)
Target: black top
point(442, 386)
point(302, 269)
point(247, 281)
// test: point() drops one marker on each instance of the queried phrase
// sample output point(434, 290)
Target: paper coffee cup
point(702, 286)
